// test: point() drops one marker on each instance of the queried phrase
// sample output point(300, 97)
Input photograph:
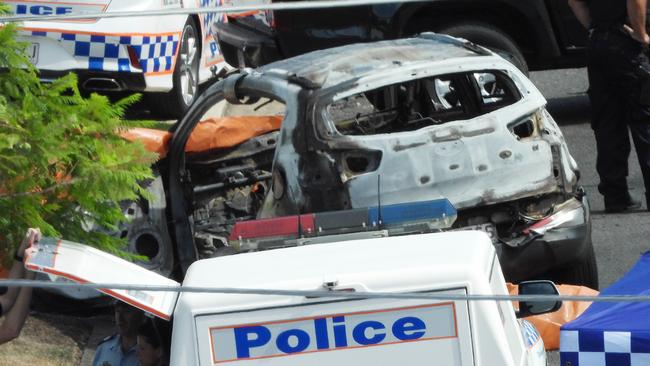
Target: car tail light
point(288, 226)
point(133, 57)
point(569, 213)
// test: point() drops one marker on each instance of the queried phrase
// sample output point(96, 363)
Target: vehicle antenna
point(379, 200)
point(299, 223)
point(299, 214)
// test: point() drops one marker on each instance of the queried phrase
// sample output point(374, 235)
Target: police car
point(166, 56)
point(388, 256)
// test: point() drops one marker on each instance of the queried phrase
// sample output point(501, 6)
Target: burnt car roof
point(334, 66)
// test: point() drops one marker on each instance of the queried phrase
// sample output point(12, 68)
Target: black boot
point(621, 205)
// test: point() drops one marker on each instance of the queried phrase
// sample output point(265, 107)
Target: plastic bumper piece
point(557, 248)
point(244, 46)
point(100, 81)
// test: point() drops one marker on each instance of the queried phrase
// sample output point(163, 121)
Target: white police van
point(277, 329)
point(165, 56)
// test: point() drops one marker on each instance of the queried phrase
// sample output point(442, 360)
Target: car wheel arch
point(441, 15)
point(172, 104)
point(197, 20)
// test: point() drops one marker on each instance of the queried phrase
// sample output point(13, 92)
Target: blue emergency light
point(404, 213)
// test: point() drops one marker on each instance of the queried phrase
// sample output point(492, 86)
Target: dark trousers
point(615, 85)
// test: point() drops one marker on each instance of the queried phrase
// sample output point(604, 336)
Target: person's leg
point(639, 122)
point(613, 151)
point(636, 82)
point(612, 140)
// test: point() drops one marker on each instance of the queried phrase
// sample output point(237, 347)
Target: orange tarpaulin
point(210, 134)
point(154, 141)
point(549, 324)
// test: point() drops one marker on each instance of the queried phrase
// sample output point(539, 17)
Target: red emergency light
point(287, 226)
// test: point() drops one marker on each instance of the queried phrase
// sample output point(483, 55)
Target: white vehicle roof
point(381, 264)
point(446, 263)
point(441, 260)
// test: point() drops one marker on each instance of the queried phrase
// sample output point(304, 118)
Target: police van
point(165, 56)
point(262, 324)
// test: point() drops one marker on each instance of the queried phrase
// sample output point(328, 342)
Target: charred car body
point(369, 125)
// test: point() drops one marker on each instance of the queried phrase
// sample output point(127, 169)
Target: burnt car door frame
point(179, 196)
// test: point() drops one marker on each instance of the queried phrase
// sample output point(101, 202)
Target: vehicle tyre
point(490, 37)
point(185, 78)
point(582, 273)
point(146, 230)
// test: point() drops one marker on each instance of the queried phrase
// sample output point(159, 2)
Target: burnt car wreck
point(377, 124)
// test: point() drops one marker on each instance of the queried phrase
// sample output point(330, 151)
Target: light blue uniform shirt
point(109, 353)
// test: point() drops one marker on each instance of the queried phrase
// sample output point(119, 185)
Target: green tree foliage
point(63, 164)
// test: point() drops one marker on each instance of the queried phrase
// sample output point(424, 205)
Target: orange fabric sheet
point(549, 324)
point(210, 134)
point(155, 141)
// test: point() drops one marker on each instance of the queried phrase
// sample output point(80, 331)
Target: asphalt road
point(618, 239)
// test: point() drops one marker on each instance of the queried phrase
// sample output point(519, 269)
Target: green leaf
point(63, 163)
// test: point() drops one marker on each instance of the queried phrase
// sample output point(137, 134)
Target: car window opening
point(416, 104)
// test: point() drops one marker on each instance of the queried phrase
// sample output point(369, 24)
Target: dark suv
point(533, 34)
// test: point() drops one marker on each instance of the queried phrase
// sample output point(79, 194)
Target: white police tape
point(325, 293)
point(294, 5)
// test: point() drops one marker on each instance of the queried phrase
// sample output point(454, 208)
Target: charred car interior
point(368, 125)
point(420, 103)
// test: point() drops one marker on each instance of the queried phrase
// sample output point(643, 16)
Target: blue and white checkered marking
point(530, 333)
point(598, 348)
point(156, 53)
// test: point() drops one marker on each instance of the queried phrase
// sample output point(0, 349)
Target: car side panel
point(450, 161)
point(102, 45)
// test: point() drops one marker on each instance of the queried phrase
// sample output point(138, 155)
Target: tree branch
point(40, 192)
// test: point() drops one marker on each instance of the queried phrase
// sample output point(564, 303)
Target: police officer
point(619, 71)
point(121, 349)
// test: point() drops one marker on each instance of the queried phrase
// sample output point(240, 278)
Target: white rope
point(320, 4)
point(323, 293)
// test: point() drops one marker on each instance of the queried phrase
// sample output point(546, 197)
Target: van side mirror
point(536, 307)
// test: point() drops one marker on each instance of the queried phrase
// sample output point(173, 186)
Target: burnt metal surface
point(473, 161)
point(502, 165)
point(326, 68)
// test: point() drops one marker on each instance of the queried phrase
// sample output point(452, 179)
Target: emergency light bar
point(396, 219)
